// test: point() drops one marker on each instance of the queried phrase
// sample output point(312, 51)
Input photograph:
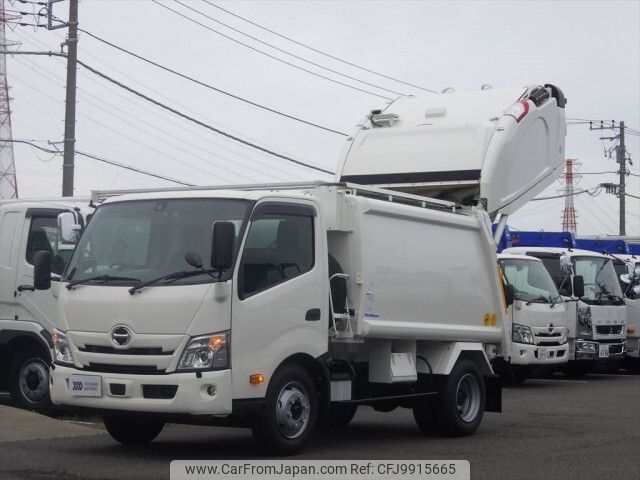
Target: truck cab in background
point(27, 316)
point(537, 320)
point(597, 318)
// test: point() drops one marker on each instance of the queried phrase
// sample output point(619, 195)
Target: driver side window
point(279, 247)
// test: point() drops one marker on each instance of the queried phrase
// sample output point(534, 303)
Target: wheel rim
point(33, 380)
point(468, 398)
point(293, 410)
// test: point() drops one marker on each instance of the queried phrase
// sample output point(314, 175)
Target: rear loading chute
point(493, 148)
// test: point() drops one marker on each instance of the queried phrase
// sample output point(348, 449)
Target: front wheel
point(460, 406)
point(132, 431)
point(29, 381)
point(291, 410)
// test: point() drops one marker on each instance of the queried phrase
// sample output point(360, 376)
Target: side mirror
point(625, 278)
point(578, 286)
point(68, 226)
point(565, 264)
point(636, 291)
point(42, 270)
point(193, 259)
point(224, 234)
point(509, 294)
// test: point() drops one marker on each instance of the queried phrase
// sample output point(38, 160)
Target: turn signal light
point(256, 378)
point(631, 329)
point(216, 341)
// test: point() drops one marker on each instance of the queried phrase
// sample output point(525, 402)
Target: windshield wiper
point(539, 299)
point(554, 300)
point(102, 278)
point(173, 277)
point(610, 295)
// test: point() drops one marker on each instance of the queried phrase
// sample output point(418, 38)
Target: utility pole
point(621, 160)
point(68, 163)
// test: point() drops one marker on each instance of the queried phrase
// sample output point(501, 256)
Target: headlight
point(585, 346)
point(206, 352)
point(584, 320)
point(522, 334)
point(61, 348)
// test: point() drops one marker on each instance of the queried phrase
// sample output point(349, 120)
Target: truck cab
point(538, 319)
point(596, 315)
point(628, 269)
point(27, 316)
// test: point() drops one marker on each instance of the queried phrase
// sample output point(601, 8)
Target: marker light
point(518, 110)
point(631, 329)
point(256, 378)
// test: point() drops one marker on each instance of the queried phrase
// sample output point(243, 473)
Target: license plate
point(603, 351)
point(542, 353)
point(85, 385)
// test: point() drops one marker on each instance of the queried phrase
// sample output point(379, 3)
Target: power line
point(593, 194)
point(346, 62)
point(177, 112)
point(262, 52)
point(632, 196)
point(209, 86)
point(285, 51)
point(103, 160)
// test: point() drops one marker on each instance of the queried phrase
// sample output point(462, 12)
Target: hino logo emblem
point(121, 336)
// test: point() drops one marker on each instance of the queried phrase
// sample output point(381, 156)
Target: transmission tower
point(569, 212)
point(8, 181)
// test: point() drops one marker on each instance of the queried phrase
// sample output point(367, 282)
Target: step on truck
point(283, 307)
point(597, 311)
point(536, 320)
point(27, 316)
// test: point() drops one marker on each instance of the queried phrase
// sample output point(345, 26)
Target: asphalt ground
point(550, 429)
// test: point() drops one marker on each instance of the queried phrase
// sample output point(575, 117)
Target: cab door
point(10, 229)
point(39, 232)
point(280, 300)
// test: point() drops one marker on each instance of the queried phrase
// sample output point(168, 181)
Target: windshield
point(146, 239)
point(530, 280)
point(600, 279)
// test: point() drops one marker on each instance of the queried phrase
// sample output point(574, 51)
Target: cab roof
point(558, 250)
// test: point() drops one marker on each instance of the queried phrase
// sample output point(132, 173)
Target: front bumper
point(591, 350)
point(210, 394)
point(527, 354)
point(633, 347)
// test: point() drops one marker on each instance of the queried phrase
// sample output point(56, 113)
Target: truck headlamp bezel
point(62, 353)
point(206, 352)
point(522, 334)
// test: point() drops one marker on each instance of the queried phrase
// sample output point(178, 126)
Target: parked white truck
point(274, 306)
point(537, 320)
point(597, 312)
point(628, 270)
point(26, 315)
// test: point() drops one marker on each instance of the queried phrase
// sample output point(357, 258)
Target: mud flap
point(493, 390)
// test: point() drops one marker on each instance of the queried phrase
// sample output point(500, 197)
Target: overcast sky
point(591, 49)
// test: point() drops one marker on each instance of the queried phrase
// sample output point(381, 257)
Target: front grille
point(609, 329)
point(132, 369)
point(615, 349)
point(547, 334)
point(549, 344)
point(159, 391)
point(128, 351)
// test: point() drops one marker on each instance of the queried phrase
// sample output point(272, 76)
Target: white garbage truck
point(27, 316)
point(597, 311)
point(537, 320)
point(280, 307)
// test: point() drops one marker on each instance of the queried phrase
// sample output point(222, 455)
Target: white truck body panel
point(467, 146)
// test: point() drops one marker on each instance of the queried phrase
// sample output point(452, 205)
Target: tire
point(632, 365)
point(29, 381)
point(340, 415)
point(460, 406)
point(425, 415)
point(290, 414)
point(132, 431)
point(576, 369)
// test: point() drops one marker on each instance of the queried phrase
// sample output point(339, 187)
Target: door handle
point(312, 315)
point(29, 288)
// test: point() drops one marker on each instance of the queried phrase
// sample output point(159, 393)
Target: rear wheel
point(458, 409)
point(291, 410)
point(132, 431)
point(29, 377)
